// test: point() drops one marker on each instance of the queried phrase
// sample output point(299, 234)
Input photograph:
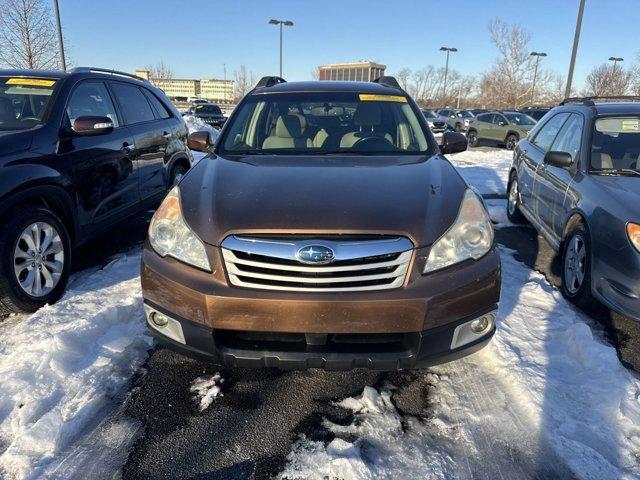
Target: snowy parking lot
point(86, 394)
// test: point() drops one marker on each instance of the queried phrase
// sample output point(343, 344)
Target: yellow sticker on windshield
point(630, 125)
point(31, 82)
point(371, 97)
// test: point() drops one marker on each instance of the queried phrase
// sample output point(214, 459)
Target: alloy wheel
point(511, 142)
point(512, 201)
point(575, 264)
point(38, 259)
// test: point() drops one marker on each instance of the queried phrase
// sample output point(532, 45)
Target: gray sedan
point(576, 178)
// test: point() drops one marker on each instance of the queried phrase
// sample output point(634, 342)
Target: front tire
point(576, 267)
point(513, 201)
point(472, 138)
point(511, 141)
point(177, 172)
point(35, 260)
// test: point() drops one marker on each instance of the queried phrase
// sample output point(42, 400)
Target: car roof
point(53, 74)
point(329, 86)
point(77, 72)
point(617, 107)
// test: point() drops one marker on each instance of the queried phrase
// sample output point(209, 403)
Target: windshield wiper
point(614, 171)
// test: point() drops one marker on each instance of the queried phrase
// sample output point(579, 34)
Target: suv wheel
point(472, 138)
point(36, 255)
point(576, 267)
point(177, 172)
point(513, 201)
point(511, 141)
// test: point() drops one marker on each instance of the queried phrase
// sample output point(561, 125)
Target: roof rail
point(590, 101)
point(388, 81)
point(108, 71)
point(270, 81)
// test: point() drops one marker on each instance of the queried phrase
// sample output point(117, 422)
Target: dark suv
point(79, 151)
point(576, 178)
point(209, 113)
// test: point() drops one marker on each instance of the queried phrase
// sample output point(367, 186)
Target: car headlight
point(169, 234)
point(633, 230)
point(470, 236)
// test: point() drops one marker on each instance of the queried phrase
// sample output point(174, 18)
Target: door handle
point(166, 135)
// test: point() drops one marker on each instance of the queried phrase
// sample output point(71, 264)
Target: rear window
point(209, 109)
point(616, 143)
point(23, 101)
point(134, 104)
point(323, 123)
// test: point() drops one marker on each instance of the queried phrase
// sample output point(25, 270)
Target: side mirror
point(558, 159)
point(200, 141)
point(92, 125)
point(453, 142)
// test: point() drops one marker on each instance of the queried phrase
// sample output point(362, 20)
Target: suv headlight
point(170, 235)
point(633, 230)
point(470, 236)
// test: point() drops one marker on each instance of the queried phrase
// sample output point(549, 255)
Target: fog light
point(159, 319)
point(481, 324)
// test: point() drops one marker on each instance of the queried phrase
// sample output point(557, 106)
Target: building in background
point(363, 71)
point(212, 89)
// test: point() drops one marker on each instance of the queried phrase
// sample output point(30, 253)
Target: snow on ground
point(206, 389)
point(486, 169)
point(64, 365)
point(546, 396)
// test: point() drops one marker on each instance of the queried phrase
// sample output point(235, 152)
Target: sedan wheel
point(575, 264)
point(511, 142)
point(513, 201)
point(38, 259)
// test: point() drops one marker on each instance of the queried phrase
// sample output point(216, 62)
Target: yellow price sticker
point(372, 97)
point(31, 82)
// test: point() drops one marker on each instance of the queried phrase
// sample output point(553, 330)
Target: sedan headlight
point(170, 235)
point(633, 230)
point(470, 236)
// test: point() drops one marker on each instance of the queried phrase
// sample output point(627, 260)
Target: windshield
point(465, 114)
point(519, 119)
point(310, 123)
point(616, 144)
point(429, 113)
point(23, 102)
point(214, 109)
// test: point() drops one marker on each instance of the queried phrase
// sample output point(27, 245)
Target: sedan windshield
point(520, 119)
point(209, 109)
point(615, 147)
point(309, 123)
point(23, 101)
point(429, 113)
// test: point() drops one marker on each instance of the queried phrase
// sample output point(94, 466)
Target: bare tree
point(27, 36)
point(245, 80)
point(160, 70)
point(608, 80)
point(315, 73)
point(403, 77)
point(508, 83)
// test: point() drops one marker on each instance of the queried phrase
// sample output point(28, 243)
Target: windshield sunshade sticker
point(371, 97)
point(630, 125)
point(31, 82)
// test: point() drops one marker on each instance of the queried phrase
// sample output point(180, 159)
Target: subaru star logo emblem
point(316, 254)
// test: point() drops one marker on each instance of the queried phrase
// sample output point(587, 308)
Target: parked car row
point(79, 152)
point(502, 127)
point(576, 178)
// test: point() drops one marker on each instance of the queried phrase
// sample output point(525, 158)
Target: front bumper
point(421, 317)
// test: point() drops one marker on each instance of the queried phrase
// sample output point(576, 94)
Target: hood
point(414, 196)
point(12, 142)
point(623, 189)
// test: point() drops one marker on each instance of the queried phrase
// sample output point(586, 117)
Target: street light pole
point(615, 60)
point(535, 73)
point(63, 63)
point(281, 23)
point(574, 52)
point(446, 68)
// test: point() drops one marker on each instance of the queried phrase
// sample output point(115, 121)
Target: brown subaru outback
point(324, 230)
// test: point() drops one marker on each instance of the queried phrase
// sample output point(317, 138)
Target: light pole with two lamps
point(286, 23)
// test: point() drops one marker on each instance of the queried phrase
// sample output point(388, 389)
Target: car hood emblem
point(315, 254)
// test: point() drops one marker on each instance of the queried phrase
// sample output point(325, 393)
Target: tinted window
point(497, 119)
point(158, 106)
point(520, 119)
point(547, 134)
point(210, 109)
point(91, 99)
point(483, 118)
point(134, 104)
point(568, 140)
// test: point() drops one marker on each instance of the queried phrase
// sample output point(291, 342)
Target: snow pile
point(545, 399)
point(206, 389)
point(487, 170)
point(379, 443)
point(195, 124)
point(65, 363)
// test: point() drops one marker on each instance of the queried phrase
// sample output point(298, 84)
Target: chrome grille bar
point(358, 265)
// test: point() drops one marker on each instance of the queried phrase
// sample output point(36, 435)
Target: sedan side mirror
point(92, 125)
point(200, 141)
point(453, 142)
point(558, 159)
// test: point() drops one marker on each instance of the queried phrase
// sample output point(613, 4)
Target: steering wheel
point(373, 143)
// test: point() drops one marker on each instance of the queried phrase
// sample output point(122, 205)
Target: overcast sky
point(196, 37)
